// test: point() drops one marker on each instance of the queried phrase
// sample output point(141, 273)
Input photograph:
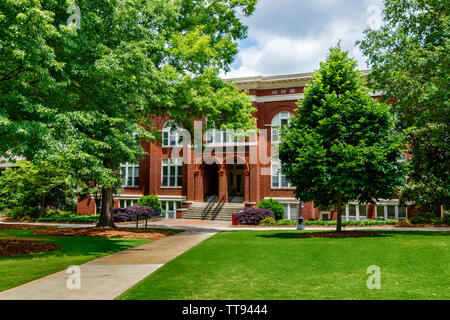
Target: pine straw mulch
point(126, 233)
point(342, 234)
point(11, 247)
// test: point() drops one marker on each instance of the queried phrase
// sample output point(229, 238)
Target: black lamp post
point(300, 218)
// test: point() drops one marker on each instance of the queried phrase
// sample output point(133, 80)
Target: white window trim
point(358, 213)
point(276, 124)
point(170, 163)
point(170, 131)
point(133, 176)
point(277, 162)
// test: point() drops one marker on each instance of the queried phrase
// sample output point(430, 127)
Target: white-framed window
point(125, 203)
point(290, 211)
point(402, 158)
point(171, 136)
point(279, 121)
point(391, 211)
point(278, 178)
point(172, 172)
point(355, 212)
point(130, 174)
point(170, 208)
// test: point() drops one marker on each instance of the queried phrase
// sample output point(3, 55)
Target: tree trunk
point(106, 215)
point(339, 214)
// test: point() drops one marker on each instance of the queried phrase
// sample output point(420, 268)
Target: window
point(127, 203)
point(355, 212)
point(391, 211)
point(290, 211)
point(278, 178)
point(130, 174)
point(402, 158)
point(172, 136)
point(170, 208)
point(172, 172)
point(215, 136)
point(279, 121)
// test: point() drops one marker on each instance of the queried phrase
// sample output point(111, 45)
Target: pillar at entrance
point(246, 186)
point(223, 186)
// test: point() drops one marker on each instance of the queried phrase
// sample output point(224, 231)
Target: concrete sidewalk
point(107, 277)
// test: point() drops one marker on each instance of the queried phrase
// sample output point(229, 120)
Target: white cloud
point(291, 36)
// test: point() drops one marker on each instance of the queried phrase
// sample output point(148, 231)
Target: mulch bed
point(127, 233)
point(23, 227)
point(342, 234)
point(11, 247)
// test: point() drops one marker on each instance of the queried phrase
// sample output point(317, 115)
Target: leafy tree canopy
point(409, 58)
point(341, 145)
point(89, 94)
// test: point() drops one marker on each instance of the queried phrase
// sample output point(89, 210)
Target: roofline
point(264, 82)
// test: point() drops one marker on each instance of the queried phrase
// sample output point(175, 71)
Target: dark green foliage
point(274, 205)
point(151, 201)
point(341, 145)
point(410, 62)
point(31, 189)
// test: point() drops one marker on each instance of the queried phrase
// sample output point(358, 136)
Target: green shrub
point(273, 205)
point(269, 221)
point(286, 222)
point(419, 219)
point(24, 213)
point(77, 218)
point(392, 221)
point(446, 218)
point(364, 222)
point(59, 213)
point(151, 201)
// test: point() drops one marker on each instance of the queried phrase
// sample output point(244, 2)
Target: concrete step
point(213, 211)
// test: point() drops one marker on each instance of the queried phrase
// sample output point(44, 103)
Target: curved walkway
point(107, 277)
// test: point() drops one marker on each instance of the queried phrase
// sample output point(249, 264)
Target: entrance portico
point(219, 181)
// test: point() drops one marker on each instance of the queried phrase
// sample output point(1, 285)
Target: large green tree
point(341, 145)
point(410, 62)
point(37, 187)
point(129, 62)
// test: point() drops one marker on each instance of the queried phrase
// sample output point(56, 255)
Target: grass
point(16, 270)
point(276, 265)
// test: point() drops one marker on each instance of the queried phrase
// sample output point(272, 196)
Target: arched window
point(172, 135)
point(279, 121)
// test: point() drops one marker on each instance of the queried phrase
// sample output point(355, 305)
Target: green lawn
point(16, 270)
point(275, 265)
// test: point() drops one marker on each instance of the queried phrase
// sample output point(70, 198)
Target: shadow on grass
point(75, 246)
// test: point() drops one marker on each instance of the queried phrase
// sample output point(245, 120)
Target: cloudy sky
point(293, 36)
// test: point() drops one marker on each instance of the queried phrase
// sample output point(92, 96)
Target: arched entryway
point(217, 181)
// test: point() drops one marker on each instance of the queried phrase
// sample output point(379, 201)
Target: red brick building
point(231, 170)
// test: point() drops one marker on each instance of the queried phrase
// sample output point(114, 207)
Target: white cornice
point(277, 97)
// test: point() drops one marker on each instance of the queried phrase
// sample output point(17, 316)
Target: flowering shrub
point(130, 213)
point(252, 216)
